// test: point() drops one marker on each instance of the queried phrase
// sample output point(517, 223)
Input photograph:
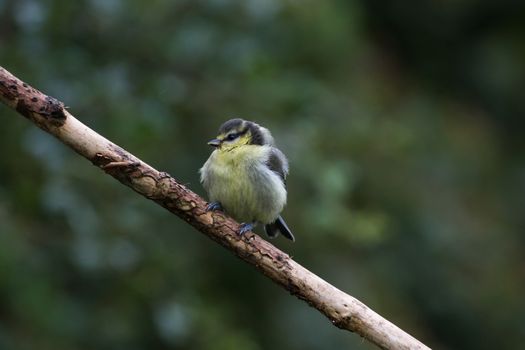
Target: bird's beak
point(215, 142)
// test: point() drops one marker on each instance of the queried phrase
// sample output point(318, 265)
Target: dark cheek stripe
point(242, 127)
point(257, 137)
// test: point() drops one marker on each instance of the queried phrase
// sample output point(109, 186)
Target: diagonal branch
point(343, 310)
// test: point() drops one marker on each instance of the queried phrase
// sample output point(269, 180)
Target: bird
point(245, 176)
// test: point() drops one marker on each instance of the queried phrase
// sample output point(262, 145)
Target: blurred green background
point(403, 122)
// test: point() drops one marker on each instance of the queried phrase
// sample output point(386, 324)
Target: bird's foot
point(214, 206)
point(245, 227)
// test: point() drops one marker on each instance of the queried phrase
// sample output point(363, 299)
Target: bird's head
point(238, 132)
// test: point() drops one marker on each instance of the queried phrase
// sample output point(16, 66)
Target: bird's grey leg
point(213, 206)
point(246, 226)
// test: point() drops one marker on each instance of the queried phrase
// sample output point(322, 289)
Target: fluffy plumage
point(246, 174)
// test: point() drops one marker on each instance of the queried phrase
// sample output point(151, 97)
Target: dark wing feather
point(278, 163)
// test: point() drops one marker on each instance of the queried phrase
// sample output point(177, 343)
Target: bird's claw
point(245, 227)
point(214, 206)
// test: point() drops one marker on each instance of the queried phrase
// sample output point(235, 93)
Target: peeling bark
point(343, 310)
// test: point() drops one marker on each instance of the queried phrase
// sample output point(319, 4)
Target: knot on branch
point(44, 106)
point(31, 103)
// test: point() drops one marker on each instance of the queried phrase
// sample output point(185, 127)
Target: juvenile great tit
point(245, 176)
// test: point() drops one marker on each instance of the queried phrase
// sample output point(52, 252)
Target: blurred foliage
point(403, 122)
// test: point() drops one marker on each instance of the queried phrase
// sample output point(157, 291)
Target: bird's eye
point(232, 137)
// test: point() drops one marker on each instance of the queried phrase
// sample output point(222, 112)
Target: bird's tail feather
point(273, 229)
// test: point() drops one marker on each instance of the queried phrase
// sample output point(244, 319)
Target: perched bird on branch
point(245, 176)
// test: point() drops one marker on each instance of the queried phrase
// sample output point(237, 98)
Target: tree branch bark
point(343, 310)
